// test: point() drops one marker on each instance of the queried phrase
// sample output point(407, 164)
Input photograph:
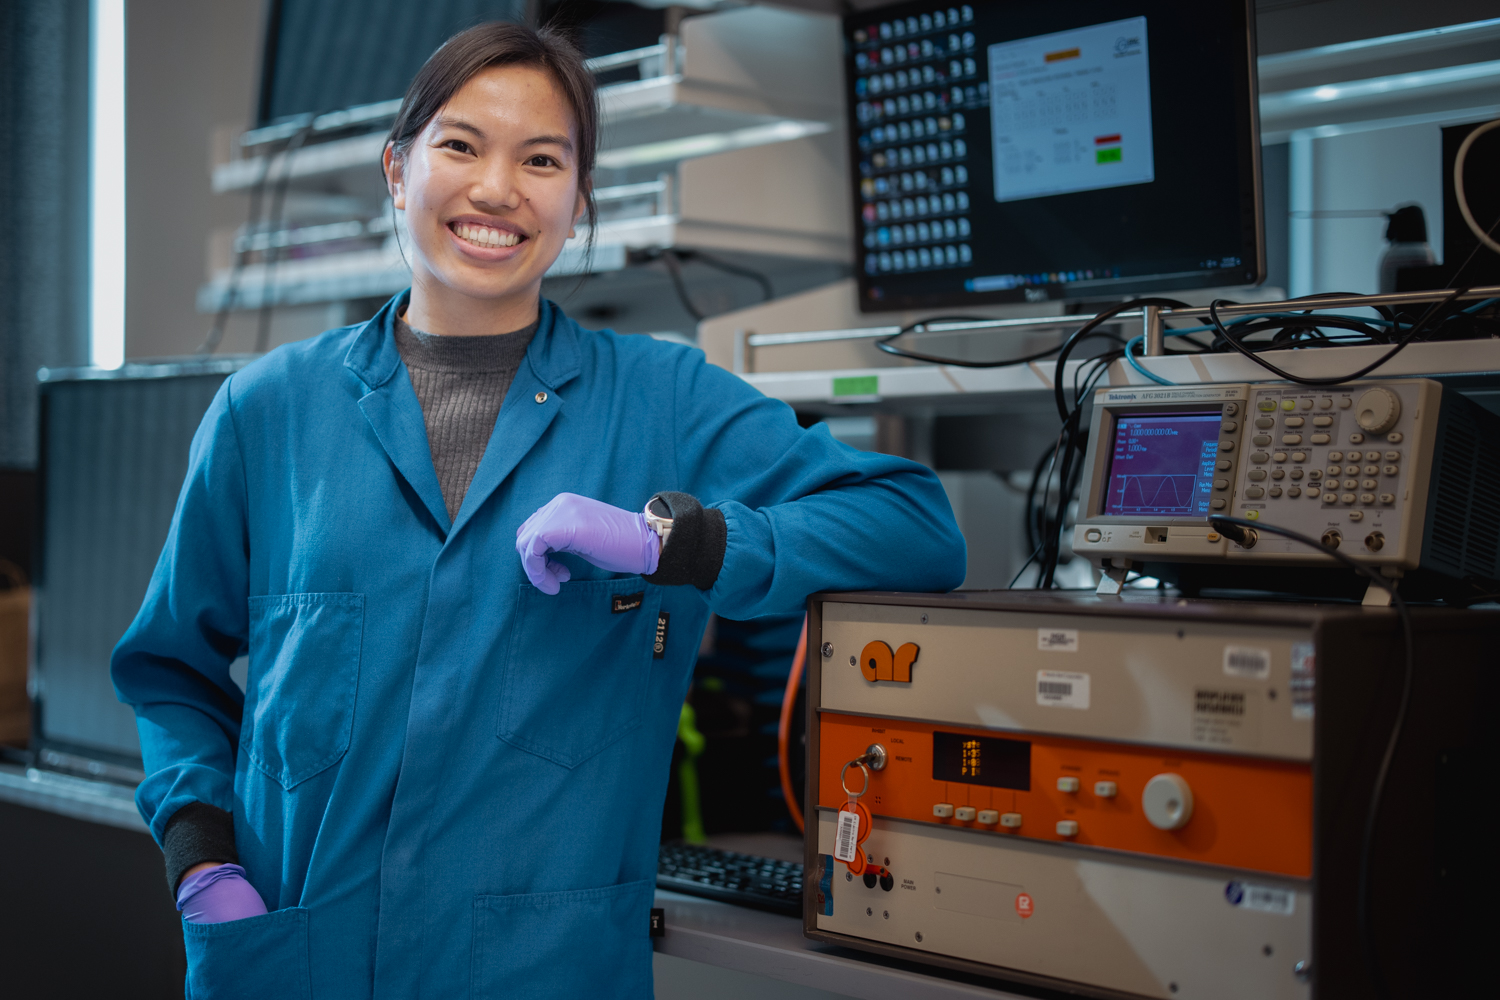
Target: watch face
point(659, 507)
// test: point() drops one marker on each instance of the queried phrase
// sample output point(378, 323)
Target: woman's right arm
point(172, 666)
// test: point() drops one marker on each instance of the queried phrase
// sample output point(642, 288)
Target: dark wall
point(44, 46)
point(87, 911)
point(17, 516)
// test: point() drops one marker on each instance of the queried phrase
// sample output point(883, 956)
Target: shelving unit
point(730, 140)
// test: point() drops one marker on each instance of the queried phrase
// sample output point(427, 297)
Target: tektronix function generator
point(1147, 796)
point(1402, 474)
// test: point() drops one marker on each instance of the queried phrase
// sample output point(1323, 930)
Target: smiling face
point(491, 191)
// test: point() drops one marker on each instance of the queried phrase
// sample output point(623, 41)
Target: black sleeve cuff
point(196, 833)
point(694, 552)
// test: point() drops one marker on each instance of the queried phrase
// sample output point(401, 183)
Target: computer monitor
point(1029, 150)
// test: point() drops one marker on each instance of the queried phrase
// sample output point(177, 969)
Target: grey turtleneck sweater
point(461, 383)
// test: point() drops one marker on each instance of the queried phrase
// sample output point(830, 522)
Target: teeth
point(485, 236)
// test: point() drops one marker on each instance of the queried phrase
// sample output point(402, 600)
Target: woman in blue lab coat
point(467, 642)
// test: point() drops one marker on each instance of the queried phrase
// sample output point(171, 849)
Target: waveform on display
point(1157, 493)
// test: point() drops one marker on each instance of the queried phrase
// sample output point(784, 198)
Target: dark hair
point(500, 43)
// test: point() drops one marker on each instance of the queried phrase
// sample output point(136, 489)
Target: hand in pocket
point(217, 895)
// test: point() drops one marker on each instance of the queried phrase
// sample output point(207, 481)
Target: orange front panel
point(1247, 813)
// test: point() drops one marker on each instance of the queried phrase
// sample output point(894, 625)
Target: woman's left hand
point(613, 539)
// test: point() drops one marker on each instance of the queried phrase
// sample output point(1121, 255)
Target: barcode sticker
point(1247, 662)
point(1304, 683)
point(1265, 898)
point(1057, 640)
point(1062, 689)
point(848, 837)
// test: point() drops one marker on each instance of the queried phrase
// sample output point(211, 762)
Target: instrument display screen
point(981, 760)
point(1162, 464)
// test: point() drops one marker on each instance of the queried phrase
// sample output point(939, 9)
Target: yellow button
point(1212, 536)
point(1267, 405)
point(1067, 784)
point(1288, 404)
point(1253, 515)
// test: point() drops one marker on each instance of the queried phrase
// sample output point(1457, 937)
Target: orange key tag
point(846, 840)
point(853, 822)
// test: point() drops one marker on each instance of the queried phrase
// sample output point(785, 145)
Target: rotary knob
point(1378, 411)
point(1167, 802)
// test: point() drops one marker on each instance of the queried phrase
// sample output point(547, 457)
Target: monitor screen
point(1162, 464)
point(1033, 150)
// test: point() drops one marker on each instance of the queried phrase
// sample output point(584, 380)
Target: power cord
point(1458, 186)
point(1244, 532)
point(272, 254)
point(1234, 342)
point(886, 344)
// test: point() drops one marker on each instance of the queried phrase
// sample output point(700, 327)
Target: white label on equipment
point(1265, 898)
point(1249, 663)
point(1057, 640)
point(1304, 679)
point(1062, 689)
point(848, 837)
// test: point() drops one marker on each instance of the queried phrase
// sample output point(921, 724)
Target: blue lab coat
point(444, 782)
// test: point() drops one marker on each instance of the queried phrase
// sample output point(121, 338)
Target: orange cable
point(783, 729)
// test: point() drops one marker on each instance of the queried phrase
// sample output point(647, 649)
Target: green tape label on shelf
point(857, 385)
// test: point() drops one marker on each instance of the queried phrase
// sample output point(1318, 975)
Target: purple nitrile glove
point(610, 538)
point(217, 895)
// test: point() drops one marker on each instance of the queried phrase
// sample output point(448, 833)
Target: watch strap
point(694, 553)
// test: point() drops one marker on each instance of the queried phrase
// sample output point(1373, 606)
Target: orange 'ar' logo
point(878, 663)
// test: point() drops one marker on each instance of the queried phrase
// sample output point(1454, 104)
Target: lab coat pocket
point(253, 959)
point(578, 667)
point(563, 945)
point(304, 669)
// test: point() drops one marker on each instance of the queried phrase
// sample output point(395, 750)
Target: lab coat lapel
point(392, 408)
point(531, 404)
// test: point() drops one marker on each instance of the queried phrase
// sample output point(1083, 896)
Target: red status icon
point(1024, 905)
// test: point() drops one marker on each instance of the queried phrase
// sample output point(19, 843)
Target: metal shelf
point(732, 82)
point(1029, 387)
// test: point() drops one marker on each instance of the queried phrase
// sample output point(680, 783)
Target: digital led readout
point(981, 760)
point(1162, 464)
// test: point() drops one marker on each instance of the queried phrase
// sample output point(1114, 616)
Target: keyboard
point(731, 877)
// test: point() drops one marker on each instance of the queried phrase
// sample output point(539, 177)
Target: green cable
point(687, 776)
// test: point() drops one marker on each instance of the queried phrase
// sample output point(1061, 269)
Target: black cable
point(272, 254)
point(1086, 331)
point(719, 264)
point(674, 270)
point(241, 257)
point(1029, 559)
point(1366, 931)
point(1233, 341)
point(884, 344)
point(1071, 444)
point(1033, 528)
